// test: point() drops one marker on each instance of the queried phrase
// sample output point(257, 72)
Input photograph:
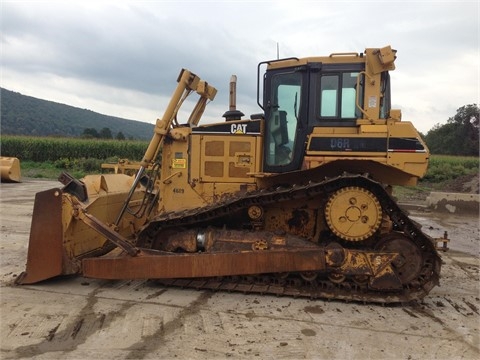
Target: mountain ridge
point(27, 115)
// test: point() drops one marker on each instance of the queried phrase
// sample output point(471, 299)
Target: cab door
point(285, 105)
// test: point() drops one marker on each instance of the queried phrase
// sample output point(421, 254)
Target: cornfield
point(41, 149)
point(447, 167)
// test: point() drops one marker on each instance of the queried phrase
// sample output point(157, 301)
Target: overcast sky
point(122, 58)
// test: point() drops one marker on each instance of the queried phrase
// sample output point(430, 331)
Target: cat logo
point(238, 129)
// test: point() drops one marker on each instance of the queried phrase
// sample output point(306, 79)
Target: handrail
point(358, 92)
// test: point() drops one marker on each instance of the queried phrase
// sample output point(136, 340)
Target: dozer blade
point(10, 169)
point(45, 248)
point(72, 223)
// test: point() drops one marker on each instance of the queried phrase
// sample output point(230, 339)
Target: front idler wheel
point(408, 265)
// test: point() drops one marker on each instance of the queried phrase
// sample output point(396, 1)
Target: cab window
point(337, 96)
point(283, 118)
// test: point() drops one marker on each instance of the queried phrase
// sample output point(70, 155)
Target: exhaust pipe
point(232, 113)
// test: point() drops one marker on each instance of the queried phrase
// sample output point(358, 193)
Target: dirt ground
point(463, 184)
point(78, 318)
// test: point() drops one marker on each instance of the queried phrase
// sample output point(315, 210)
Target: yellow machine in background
point(10, 169)
point(293, 201)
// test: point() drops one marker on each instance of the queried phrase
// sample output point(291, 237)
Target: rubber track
point(294, 285)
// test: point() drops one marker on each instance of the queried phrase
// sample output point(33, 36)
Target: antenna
point(278, 51)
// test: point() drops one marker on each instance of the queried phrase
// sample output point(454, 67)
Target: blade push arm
point(187, 82)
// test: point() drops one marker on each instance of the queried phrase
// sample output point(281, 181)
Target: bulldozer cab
point(340, 93)
point(297, 99)
point(334, 109)
point(302, 94)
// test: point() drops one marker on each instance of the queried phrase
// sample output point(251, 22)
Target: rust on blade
point(161, 265)
point(45, 248)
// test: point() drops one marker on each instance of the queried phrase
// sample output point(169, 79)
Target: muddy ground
point(463, 184)
point(77, 318)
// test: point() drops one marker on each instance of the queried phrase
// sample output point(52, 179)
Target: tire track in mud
point(472, 271)
point(76, 332)
point(149, 343)
point(425, 311)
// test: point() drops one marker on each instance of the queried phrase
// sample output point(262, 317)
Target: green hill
point(26, 115)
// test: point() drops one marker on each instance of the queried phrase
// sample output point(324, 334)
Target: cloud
point(122, 58)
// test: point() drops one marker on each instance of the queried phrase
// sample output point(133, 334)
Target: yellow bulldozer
point(295, 200)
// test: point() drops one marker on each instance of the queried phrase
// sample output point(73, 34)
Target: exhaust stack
point(233, 113)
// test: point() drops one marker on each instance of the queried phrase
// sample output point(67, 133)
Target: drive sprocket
point(353, 213)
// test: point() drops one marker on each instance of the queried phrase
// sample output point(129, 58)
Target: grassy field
point(446, 167)
point(52, 169)
point(445, 173)
point(48, 157)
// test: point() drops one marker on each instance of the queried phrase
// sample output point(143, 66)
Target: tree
point(120, 136)
point(105, 133)
point(90, 133)
point(459, 136)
